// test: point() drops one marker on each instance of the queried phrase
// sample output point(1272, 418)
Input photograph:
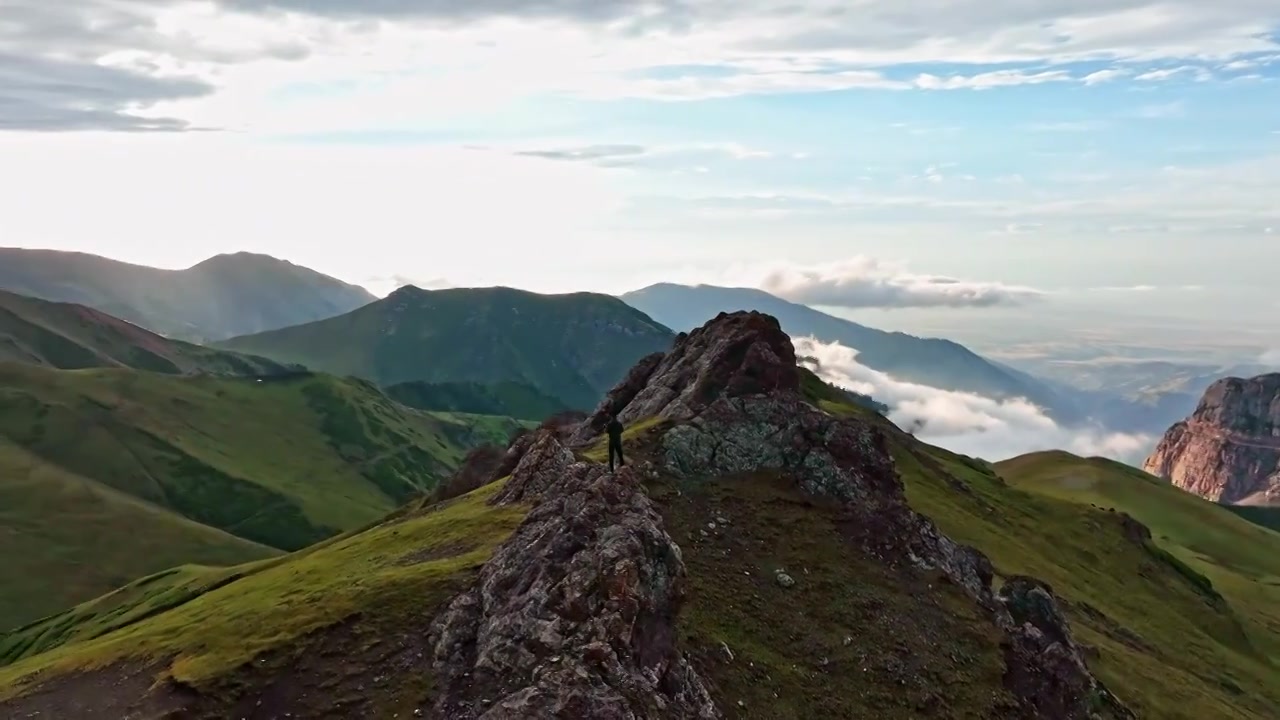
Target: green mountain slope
point(70, 336)
point(1241, 558)
point(221, 297)
point(66, 538)
point(572, 347)
point(357, 626)
point(209, 623)
point(508, 399)
point(280, 463)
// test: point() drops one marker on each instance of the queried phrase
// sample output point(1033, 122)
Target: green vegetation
point(203, 625)
point(572, 347)
point(509, 399)
point(221, 297)
point(851, 639)
point(1169, 644)
point(1266, 516)
point(1240, 558)
point(66, 538)
point(73, 337)
point(209, 470)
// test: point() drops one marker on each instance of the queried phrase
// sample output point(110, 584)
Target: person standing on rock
point(615, 441)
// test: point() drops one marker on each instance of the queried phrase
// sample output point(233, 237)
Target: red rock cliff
point(1229, 449)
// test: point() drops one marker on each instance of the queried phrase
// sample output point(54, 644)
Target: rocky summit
point(577, 615)
point(1229, 449)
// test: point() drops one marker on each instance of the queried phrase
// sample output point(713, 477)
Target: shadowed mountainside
point(221, 297)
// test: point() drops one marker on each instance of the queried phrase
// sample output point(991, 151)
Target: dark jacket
point(614, 429)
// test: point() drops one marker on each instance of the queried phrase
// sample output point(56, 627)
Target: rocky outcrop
point(574, 616)
point(1229, 449)
point(734, 355)
point(1044, 665)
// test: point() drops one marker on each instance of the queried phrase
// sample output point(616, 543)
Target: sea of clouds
point(965, 422)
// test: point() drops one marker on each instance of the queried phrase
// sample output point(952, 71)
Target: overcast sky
point(942, 155)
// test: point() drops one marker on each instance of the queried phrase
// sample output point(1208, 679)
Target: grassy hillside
point(72, 337)
point(1241, 558)
point(507, 399)
point(201, 627)
point(573, 347)
point(66, 538)
point(281, 464)
point(221, 297)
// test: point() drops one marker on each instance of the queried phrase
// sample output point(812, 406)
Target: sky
point(958, 165)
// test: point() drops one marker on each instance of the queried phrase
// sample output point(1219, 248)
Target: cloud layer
point(863, 282)
point(654, 49)
point(964, 422)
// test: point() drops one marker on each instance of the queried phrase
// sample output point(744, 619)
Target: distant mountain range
point(567, 348)
point(222, 297)
point(928, 361)
point(74, 337)
point(570, 347)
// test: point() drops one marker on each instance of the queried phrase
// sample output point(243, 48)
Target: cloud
point(988, 80)
point(1198, 74)
point(103, 64)
point(866, 282)
point(59, 95)
point(588, 152)
point(965, 422)
point(688, 156)
point(1102, 76)
point(1270, 357)
point(923, 30)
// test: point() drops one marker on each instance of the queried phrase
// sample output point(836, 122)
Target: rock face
point(736, 354)
point(1045, 665)
point(1229, 449)
point(576, 615)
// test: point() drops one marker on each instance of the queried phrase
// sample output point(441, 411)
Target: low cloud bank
point(966, 422)
point(862, 282)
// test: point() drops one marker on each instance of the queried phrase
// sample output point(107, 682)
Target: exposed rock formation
point(575, 616)
point(1045, 666)
point(734, 355)
point(1229, 449)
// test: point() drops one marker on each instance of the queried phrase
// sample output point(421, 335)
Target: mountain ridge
point(71, 336)
point(936, 362)
point(222, 296)
point(570, 346)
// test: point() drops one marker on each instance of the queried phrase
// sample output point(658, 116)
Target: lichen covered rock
point(574, 616)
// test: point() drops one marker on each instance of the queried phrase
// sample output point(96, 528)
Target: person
point(615, 441)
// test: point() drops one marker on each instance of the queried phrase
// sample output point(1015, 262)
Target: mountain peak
point(1229, 449)
point(734, 355)
point(241, 259)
